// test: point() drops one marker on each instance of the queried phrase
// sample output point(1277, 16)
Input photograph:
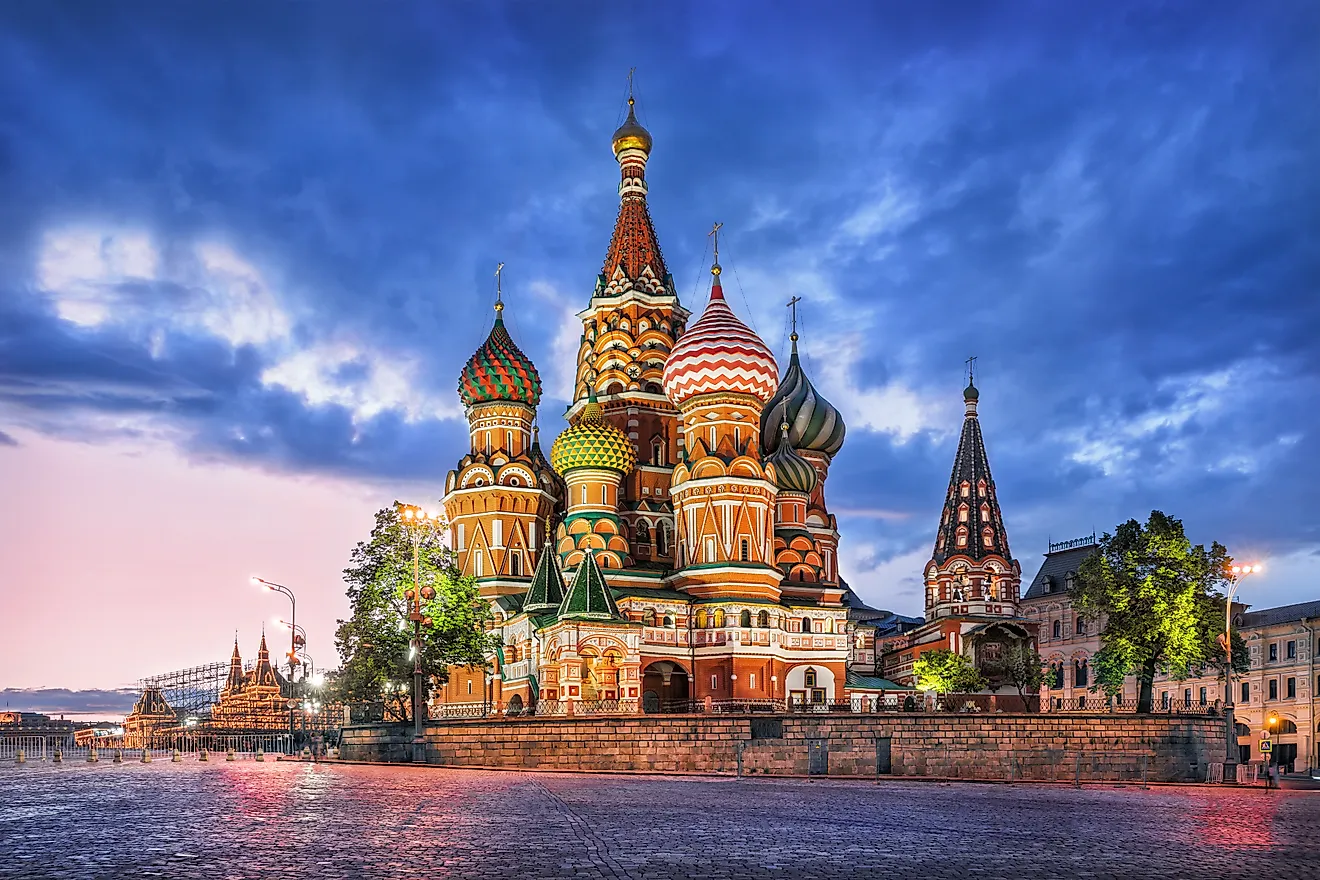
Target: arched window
point(604, 494)
point(1081, 626)
point(477, 567)
point(668, 621)
point(806, 624)
point(962, 513)
point(1284, 727)
point(719, 618)
point(962, 536)
point(515, 564)
point(1081, 675)
point(809, 677)
point(745, 619)
point(662, 540)
point(1058, 629)
point(745, 550)
point(763, 619)
point(642, 534)
point(703, 619)
point(648, 619)
point(658, 452)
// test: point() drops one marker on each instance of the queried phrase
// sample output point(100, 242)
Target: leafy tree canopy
point(1162, 603)
point(375, 641)
point(945, 672)
point(1022, 667)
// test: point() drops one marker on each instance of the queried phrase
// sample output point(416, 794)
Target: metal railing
point(458, 710)
point(1099, 703)
point(606, 707)
point(131, 747)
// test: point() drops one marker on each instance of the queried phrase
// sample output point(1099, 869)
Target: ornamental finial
point(792, 309)
point(715, 234)
point(499, 290)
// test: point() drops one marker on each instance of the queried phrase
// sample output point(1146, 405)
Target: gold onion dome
point(591, 442)
point(631, 135)
point(793, 473)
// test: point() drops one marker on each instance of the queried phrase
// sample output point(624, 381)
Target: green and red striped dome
point(499, 371)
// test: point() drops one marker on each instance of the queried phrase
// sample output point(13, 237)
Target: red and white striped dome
point(720, 353)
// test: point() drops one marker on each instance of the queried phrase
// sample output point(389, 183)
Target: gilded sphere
point(631, 135)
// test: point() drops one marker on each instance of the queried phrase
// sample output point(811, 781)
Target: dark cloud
point(1110, 206)
point(57, 701)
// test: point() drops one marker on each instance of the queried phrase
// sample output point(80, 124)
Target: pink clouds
point(122, 561)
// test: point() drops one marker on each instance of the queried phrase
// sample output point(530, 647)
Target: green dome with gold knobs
point(593, 443)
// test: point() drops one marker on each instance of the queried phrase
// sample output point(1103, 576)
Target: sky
point(245, 249)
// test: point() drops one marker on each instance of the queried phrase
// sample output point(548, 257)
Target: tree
point(375, 640)
point(945, 672)
point(1161, 602)
point(1022, 667)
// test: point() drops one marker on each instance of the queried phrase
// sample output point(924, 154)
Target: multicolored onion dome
point(631, 135)
point(592, 442)
point(793, 473)
point(813, 422)
point(719, 353)
point(499, 371)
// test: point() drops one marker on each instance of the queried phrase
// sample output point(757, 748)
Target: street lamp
point(418, 522)
point(273, 587)
point(1235, 574)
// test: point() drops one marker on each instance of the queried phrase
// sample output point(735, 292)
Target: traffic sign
point(1266, 746)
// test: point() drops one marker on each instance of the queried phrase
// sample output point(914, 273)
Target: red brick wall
point(1040, 747)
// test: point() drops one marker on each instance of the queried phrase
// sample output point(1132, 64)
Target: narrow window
point(1203, 696)
point(806, 624)
point(710, 550)
point(508, 441)
point(1291, 652)
point(1274, 651)
point(1058, 629)
point(476, 563)
point(488, 442)
point(605, 495)
point(745, 619)
point(515, 564)
point(497, 534)
point(469, 684)
point(763, 619)
point(714, 682)
point(1187, 696)
point(751, 680)
point(702, 619)
point(1081, 627)
point(809, 677)
point(531, 534)
point(1274, 688)
point(458, 531)
point(1246, 692)
point(1164, 699)
point(584, 494)
point(745, 550)
point(719, 618)
point(712, 438)
point(1291, 690)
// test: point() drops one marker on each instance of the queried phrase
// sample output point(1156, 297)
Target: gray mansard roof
point(1282, 614)
point(1054, 570)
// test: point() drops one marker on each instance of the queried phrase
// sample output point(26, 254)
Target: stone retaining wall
point(1157, 748)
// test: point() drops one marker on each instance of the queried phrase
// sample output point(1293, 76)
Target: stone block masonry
point(1055, 747)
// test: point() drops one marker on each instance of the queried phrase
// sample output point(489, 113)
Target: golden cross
point(631, 71)
point(715, 234)
point(971, 367)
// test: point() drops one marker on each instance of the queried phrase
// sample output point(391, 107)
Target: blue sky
point(256, 241)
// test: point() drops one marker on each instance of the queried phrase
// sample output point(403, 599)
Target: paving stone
point(283, 819)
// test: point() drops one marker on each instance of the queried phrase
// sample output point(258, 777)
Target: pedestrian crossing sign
point(1266, 746)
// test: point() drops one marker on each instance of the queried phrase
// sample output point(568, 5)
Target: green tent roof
point(589, 596)
point(547, 590)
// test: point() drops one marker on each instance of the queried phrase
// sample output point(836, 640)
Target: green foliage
point(1022, 667)
point(945, 672)
point(1162, 602)
point(375, 641)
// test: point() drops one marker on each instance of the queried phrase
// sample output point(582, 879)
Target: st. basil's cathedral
point(677, 543)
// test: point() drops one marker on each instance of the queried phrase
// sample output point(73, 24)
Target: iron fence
point(458, 710)
point(132, 747)
point(606, 707)
point(1100, 703)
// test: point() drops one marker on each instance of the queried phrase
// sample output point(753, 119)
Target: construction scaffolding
point(191, 692)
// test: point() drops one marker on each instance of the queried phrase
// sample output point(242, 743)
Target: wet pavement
point(286, 820)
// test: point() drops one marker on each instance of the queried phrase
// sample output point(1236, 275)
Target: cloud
point(7, 439)
point(61, 701)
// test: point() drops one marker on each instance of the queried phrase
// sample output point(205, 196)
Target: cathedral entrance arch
point(665, 687)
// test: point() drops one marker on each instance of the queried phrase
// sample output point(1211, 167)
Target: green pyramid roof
point(547, 590)
point(589, 597)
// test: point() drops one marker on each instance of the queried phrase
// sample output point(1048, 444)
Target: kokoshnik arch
point(677, 543)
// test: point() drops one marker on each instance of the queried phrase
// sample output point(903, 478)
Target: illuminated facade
point(677, 545)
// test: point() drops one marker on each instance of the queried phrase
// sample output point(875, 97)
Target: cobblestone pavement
point(289, 820)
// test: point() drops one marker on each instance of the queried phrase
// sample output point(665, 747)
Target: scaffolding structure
point(191, 692)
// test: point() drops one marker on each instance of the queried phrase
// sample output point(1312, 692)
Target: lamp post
point(273, 587)
point(1237, 571)
point(418, 522)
